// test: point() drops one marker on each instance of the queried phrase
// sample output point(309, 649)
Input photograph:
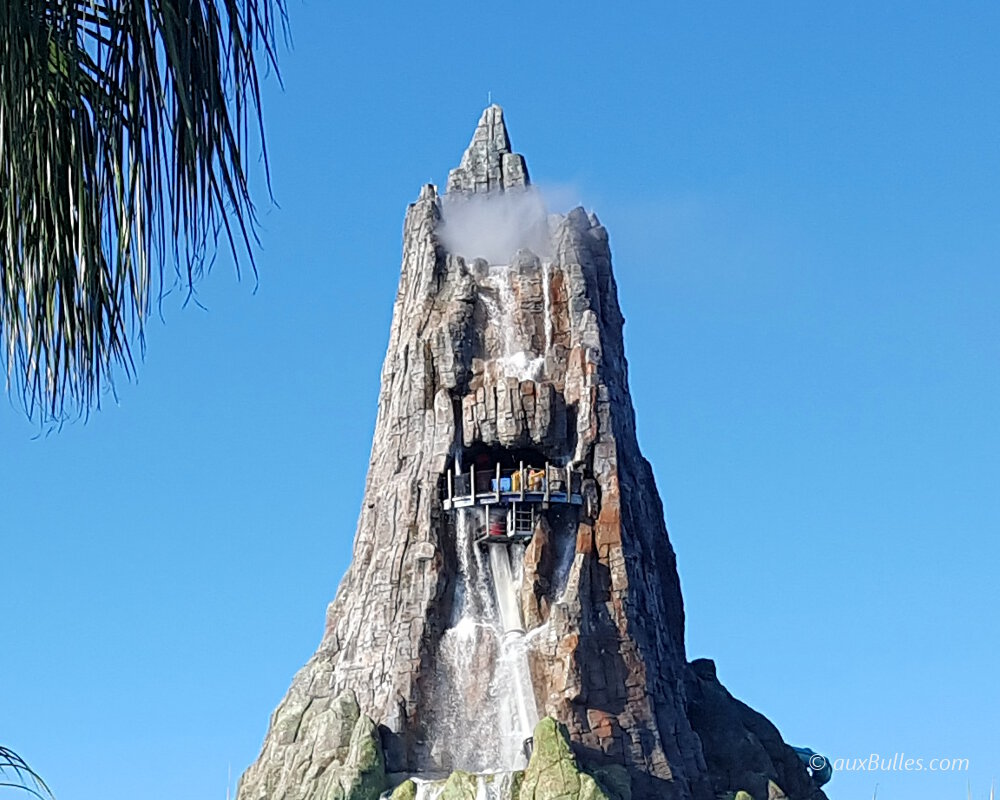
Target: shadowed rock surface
point(512, 355)
point(742, 748)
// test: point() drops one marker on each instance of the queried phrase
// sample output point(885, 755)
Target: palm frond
point(124, 129)
point(16, 774)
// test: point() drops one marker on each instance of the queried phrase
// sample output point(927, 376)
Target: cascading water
point(503, 584)
point(485, 708)
point(547, 300)
point(477, 596)
point(514, 655)
point(507, 302)
point(489, 786)
point(514, 360)
point(428, 790)
point(464, 731)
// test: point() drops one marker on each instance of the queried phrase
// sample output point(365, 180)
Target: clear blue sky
point(803, 205)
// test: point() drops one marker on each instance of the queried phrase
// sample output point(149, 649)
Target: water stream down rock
point(463, 619)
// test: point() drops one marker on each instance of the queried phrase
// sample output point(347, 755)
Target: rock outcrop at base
point(743, 750)
point(344, 760)
point(407, 790)
point(554, 772)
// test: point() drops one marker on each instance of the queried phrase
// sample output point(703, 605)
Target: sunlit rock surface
point(507, 337)
point(343, 761)
point(554, 773)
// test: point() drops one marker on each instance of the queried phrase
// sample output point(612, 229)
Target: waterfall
point(477, 599)
point(514, 360)
point(507, 303)
point(476, 581)
point(503, 584)
point(522, 713)
point(514, 657)
point(489, 786)
point(485, 706)
point(547, 301)
point(465, 729)
point(428, 790)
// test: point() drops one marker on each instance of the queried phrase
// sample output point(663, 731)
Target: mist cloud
point(494, 226)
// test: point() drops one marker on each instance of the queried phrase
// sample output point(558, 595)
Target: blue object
point(819, 766)
point(504, 484)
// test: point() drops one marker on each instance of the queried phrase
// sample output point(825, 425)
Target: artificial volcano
point(511, 623)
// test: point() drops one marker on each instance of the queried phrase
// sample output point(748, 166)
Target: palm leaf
point(124, 129)
point(15, 773)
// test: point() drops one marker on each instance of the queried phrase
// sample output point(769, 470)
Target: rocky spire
point(488, 163)
point(521, 360)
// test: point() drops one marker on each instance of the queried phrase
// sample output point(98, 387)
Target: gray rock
point(554, 772)
point(460, 786)
point(488, 164)
point(742, 749)
point(407, 790)
point(322, 748)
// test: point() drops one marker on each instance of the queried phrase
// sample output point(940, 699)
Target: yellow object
point(515, 481)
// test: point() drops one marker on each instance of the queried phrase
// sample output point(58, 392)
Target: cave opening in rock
point(508, 488)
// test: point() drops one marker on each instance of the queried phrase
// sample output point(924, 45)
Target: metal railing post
point(472, 482)
point(546, 481)
point(521, 474)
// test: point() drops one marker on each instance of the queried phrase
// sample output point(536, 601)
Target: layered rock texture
point(345, 758)
point(507, 339)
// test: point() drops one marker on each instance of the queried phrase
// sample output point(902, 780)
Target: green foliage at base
point(407, 790)
point(460, 786)
point(554, 773)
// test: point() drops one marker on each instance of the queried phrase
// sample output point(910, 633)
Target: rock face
point(519, 354)
point(742, 748)
point(553, 771)
point(343, 760)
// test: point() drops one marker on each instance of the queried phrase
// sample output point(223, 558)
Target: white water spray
point(489, 786)
point(547, 300)
point(515, 360)
point(486, 705)
point(514, 656)
point(428, 790)
point(506, 591)
point(477, 600)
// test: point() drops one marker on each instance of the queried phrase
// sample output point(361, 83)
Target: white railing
point(526, 483)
